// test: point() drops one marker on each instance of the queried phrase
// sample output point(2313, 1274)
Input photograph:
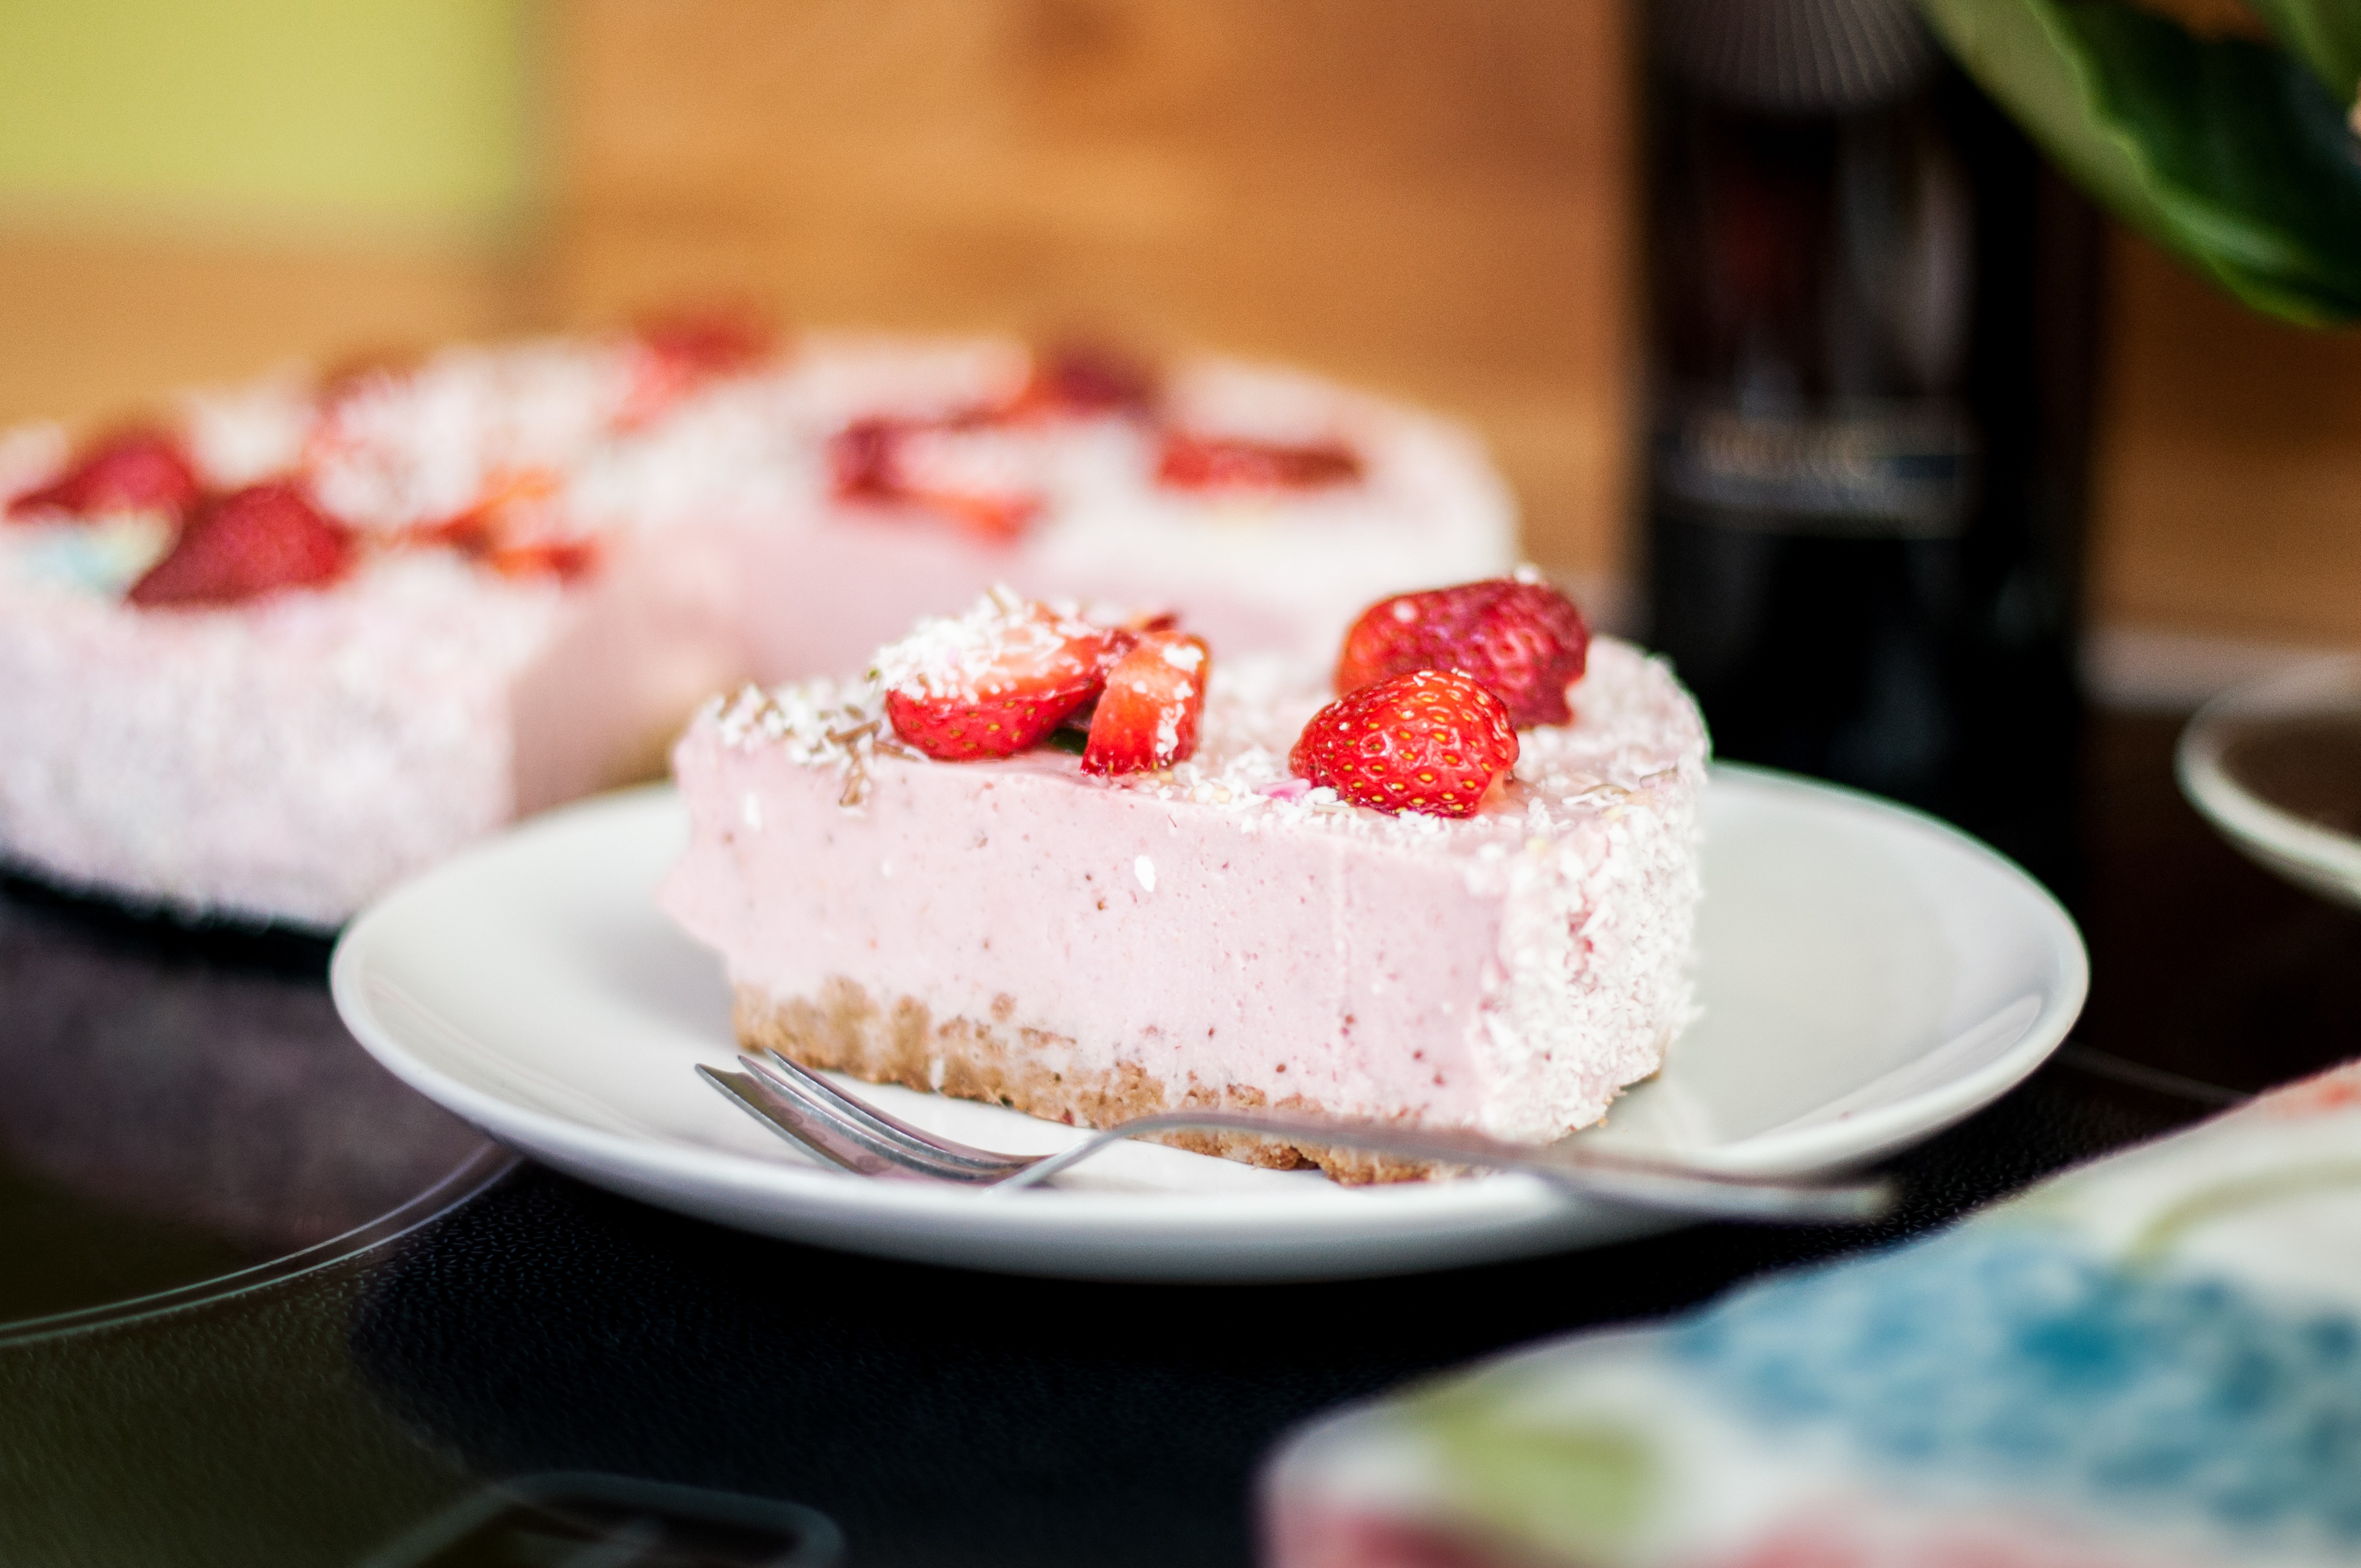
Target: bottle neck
point(1794, 57)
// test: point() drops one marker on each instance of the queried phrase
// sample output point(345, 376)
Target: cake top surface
point(521, 457)
point(1633, 724)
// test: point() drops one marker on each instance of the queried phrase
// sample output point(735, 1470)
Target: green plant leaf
point(2325, 34)
point(2228, 152)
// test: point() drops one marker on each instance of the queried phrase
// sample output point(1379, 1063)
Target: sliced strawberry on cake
point(1078, 381)
point(994, 681)
point(675, 356)
point(1197, 462)
point(1430, 742)
point(1147, 717)
point(245, 545)
point(1517, 637)
point(132, 470)
point(980, 478)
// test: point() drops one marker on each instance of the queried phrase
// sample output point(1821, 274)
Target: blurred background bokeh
point(1433, 196)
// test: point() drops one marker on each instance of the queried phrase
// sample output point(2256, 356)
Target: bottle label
point(1888, 471)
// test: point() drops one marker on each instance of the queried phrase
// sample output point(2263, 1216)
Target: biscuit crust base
point(845, 1029)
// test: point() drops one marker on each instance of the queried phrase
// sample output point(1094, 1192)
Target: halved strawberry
point(132, 470)
point(1523, 640)
point(1432, 740)
point(245, 545)
point(1147, 717)
point(1237, 462)
point(991, 681)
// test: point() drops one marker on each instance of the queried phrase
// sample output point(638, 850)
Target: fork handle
point(1598, 1173)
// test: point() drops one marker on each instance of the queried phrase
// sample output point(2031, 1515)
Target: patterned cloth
point(2154, 1360)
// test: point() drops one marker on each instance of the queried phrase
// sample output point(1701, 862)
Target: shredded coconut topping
point(963, 656)
point(819, 724)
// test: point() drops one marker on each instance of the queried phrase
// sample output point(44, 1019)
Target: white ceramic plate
point(1868, 976)
point(2306, 853)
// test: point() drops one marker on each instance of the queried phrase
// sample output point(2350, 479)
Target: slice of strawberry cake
point(1089, 869)
point(304, 639)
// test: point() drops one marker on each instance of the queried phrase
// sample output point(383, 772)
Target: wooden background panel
point(1428, 195)
point(95, 328)
point(2228, 466)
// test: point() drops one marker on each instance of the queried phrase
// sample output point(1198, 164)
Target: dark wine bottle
point(1871, 310)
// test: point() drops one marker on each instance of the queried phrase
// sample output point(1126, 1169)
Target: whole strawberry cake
point(1094, 867)
point(307, 636)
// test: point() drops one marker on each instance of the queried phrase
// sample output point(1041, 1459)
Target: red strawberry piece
point(993, 682)
point(133, 470)
point(869, 463)
point(995, 519)
point(1147, 717)
point(1432, 740)
point(1146, 622)
point(1076, 381)
point(1525, 642)
point(717, 343)
point(244, 545)
point(1121, 639)
point(1236, 463)
point(564, 559)
point(861, 460)
point(679, 354)
point(507, 528)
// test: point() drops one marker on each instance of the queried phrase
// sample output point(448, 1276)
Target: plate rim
point(2324, 858)
point(818, 1199)
point(2042, 1036)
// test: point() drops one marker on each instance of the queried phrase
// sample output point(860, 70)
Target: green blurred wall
point(373, 117)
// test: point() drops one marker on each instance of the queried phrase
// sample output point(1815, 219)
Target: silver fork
point(807, 1109)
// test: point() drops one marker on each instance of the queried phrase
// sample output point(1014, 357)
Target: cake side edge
point(844, 1028)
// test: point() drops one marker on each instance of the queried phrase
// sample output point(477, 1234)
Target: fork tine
point(848, 1120)
point(789, 1120)
point(883, 1122)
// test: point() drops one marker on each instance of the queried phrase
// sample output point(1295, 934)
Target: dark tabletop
point(174, 1108)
